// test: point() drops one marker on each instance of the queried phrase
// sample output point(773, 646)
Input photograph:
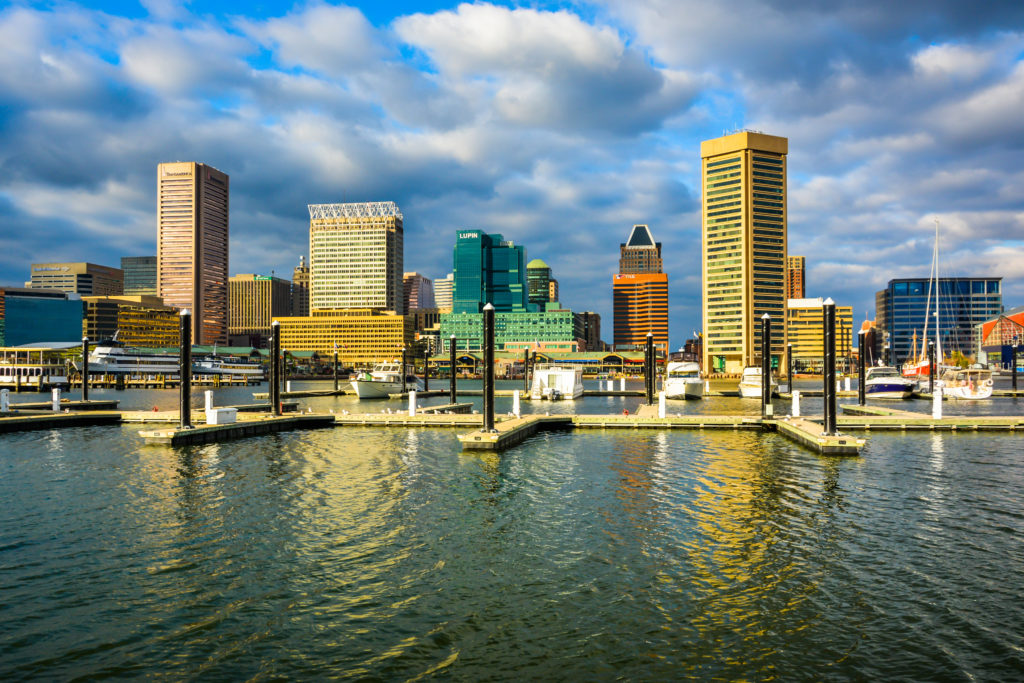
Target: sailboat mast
point(935, 269)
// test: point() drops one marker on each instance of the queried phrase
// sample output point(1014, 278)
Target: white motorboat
point(383, 380)
point(216, 365)
point(120, 360)
point(556, 382)
point(750, 383)
point(887, 382)
point(966, 383)
point(682, 380)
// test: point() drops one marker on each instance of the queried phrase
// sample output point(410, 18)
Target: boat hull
point(375, 389)
point(684, 390)
point(888, 390)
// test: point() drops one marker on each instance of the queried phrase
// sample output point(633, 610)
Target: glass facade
point(468, 328)
point(538, 275)
point(489, 269)
point(963, 303)
point(139, 275)
point(30, 320)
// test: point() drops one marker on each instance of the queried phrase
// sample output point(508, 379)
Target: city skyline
point(558, 126)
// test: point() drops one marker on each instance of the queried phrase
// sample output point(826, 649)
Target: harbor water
point(389, 554)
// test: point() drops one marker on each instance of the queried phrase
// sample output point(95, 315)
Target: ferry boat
point(216, 365)
point(556, 382)
point(383, 380)
point(886, 382)
point(966, 383)
point(33, 368)
point(682, 381)
point(750, 383)
point(112, 359)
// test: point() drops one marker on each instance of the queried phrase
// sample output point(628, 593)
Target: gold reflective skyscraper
point(743, 210)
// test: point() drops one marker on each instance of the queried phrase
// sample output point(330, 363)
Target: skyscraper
point(795, 281)
point(356, 256)
point(139, 275)
point(443, 293)
point(255, 301)
point(744, 247)
point(538, 277)
point(640, 293)
point(192, 245)
point(419, 292)
point(300, 289)
point(489, 270)
point(640, 253)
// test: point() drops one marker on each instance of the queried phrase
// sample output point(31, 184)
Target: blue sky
point(559, 125)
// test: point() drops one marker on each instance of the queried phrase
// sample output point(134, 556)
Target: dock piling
point(405, 361)
point(861, 349)
point(661, 404)
point(789, 366)
point(184, 371)
point(515, 403)
point(451, 371)
point(829, 381)
point(426, 371)
point(488, 367)
point(649, 369)
point(526, 370)
point(766, 366)
point(931, 367)
point(937, 403)
point(55, 399)
point(1014, 364)
point(335, 369)
point(275, 368)
point(85, 368)
point(412, 403)
point(795, 395)
point(5, 400)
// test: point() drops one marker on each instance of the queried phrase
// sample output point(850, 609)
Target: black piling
point(275, 368)
point(789, 366)
point(451, 372)
point(1014, 370)
point(649, 368)
point(861, 361)
point(488, 368)
point(335, 371)
point(85, 369)
point(931, 367)
point(426, 370)
point(404, 362)
point(526, 370)
point(185, 371)
point(766, 365)
point(829, 321)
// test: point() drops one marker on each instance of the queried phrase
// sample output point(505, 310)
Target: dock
point(68, 404)
point(307, 393)
point(255, 427)
point(22, 421)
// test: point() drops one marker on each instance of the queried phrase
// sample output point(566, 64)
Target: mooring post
point(1014, 364)
point(649, 368)
point(5, 400)
point(789, 366)
point(55, 399)
point(829, 313)
point(451, 371)
point(937, 403)
point(766, 366)
point(488, 368)
point(661, 404)
point(185, 371)
point(426, 369)
point(861, 348)
point(526, 369)
point(404, 361)
point(516, 410)
point(208, 394)
point(85, 368)
point(795, 397)
point(931, 367)
point(412, 403)
point(275, 368)
point(622, 383)
point(335, 370)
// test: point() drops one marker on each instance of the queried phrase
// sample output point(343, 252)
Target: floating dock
point(68, 404)
point(236, 430)
point(18, 421)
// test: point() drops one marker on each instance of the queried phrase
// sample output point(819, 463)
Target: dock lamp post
point(275, 368)
point(185, 371)
point(829, 320)
point(861, 353)
point(488, 368)
point(85, 369)
point(766, 366)
point(451, 371)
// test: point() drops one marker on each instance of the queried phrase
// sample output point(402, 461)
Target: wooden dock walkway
point(18, 421)
point(68, 404)
point(263, 424)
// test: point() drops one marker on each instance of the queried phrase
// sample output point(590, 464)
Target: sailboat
point(918, 365)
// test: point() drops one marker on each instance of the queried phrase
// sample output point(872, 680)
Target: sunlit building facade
point(84, 279)
point(805, 330)
point(640, 294)
point(139, 275)
point(192, 245)
point(300, 288)
point(418, 292)
point(743, 209)
point(253, 302)
point(796, 267)
point(137, 320)
point(356, 256)
point(362, 336)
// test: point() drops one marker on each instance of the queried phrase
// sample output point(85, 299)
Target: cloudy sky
point(559, 125)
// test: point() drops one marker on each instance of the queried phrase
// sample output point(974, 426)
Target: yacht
point(682, 380)
point(750, 383)
point(886, 382)
point(966, 383)
point(383, 380)
point(110, 359)
point(556, 382)
point(237, 367)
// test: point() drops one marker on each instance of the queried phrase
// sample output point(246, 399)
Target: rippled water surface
point(391, 555)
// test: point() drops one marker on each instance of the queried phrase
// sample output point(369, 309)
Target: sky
point(558, 125)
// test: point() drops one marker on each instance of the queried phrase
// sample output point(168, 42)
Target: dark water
point(390, 555)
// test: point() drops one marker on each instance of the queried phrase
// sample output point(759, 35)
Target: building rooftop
point(537, 263)
point(356, 210)
point(640, 236)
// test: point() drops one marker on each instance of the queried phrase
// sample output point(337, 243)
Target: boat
point(109, 358)
point(35, 368)
point(884, 381)
point(682, 380)
point(750, 383)
point(966, 383)
point(232, 366)
point(385, 379)
point(556, 382)
point(918, 366)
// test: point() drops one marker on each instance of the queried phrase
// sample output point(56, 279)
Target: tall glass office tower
point(489, 269)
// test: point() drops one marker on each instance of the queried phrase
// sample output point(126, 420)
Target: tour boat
point(385, 379)
point(32, 368)
point(556, 382)
point(966, 383)
point(236, 367)
point(682, 380)
point(886, 382)
point(750, 383)
point(110, 359)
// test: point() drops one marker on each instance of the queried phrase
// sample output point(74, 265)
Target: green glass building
point(553, 324)
point(538, 277)
point(489, 269)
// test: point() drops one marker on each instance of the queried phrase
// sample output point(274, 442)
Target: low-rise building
point(253, 301)
point(805, 327)
point(29, 315)
point(136, 320)
point(84, 279)
point(556, 324)
point(362, 336)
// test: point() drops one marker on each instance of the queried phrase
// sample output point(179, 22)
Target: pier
point(179, 436)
